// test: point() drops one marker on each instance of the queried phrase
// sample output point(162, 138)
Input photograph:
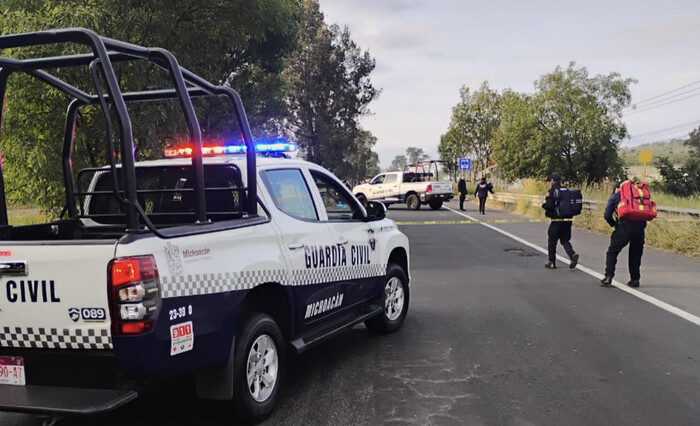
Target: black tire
point(247, 408)
point(413, 202)
point(435, 204)
point(384, 323)
point(362, 199)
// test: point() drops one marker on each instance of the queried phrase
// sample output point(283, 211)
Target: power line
point(650, 104)
point(660, 105)
point(690, 124)
point(666, 93)
point(669, 130)
point(676, 134)
point(673, 134)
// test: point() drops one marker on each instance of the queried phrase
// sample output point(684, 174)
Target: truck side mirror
point(375, 211)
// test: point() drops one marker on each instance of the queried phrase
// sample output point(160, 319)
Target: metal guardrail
point(537, 200)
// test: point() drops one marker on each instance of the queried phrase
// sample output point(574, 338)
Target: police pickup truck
point(210, 263)
point(416, 185)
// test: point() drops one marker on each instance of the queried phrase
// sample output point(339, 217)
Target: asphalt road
point(491, 338)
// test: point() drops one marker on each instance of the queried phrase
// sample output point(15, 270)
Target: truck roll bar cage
point(106, 52)
point(429, 164)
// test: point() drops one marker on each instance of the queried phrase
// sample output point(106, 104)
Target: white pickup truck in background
point(416, 185)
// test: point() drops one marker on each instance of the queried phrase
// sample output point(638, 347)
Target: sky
point(426, 50)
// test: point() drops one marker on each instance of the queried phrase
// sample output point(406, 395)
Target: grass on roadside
point(18, 216)
point(677, 237)
point(602, 193)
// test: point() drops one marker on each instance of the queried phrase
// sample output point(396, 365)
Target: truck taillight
point(134, 294)
point(429, 189)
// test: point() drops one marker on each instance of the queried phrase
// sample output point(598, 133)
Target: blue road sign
point(465, 164)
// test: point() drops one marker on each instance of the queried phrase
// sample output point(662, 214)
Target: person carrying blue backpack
point(561, 203)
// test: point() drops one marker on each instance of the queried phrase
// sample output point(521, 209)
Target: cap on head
point(556, 177)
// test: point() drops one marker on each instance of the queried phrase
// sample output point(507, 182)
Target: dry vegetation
point(676, 233)
point(19, 216)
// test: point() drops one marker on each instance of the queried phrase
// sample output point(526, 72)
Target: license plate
point(12, 370)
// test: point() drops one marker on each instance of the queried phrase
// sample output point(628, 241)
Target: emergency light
point(221, 148)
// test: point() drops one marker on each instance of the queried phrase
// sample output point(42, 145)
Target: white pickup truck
point(209, 264)
point(416, 185)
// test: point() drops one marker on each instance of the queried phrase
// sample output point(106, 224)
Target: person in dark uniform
point(482, 191)
point(558, 230)
point(626, 232)
point(462, 189)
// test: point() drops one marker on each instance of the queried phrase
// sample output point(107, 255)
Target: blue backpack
point(568, 202)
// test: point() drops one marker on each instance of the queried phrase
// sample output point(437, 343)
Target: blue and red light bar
point(220, 148)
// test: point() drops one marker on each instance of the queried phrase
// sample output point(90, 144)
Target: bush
point(683, 181)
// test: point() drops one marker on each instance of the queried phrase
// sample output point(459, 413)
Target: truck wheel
point(362, 199)
point(258, 367)
point(413, 202)
point(435, 204)
point(394, 301)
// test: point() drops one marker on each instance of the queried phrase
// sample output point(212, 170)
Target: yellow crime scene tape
point(469, 222)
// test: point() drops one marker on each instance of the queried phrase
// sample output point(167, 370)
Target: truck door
point(308, 243)
point(376, 187)
point(362, 269)
point(391, 185)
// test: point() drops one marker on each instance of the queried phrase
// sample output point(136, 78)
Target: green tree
point(694, 143)
point(237, 42)
point(450, 151)
point(413, 155)
point(372, 165)
point(416, 155)
point(399, 162)
point(473, 124)
point(683, 181)
point(329, 90)
point(364, 160)
point(517, 144)
point(581, 123)
point(572, 125)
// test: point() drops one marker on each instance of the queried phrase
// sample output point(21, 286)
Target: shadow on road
point(172, 402)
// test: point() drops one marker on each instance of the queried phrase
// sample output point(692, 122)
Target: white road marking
point(654, 301)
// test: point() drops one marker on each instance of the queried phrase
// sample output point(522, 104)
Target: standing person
point(626, 232)
point(462, 189)
point(558, 230)
point(482, 191)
